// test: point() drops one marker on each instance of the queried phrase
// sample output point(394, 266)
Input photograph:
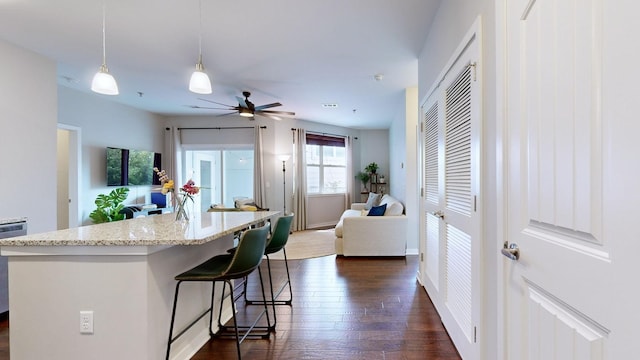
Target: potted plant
point(109, 206)
point(364, 177)
point(371, 168)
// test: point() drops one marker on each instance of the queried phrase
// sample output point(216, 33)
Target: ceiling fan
point(247, 109)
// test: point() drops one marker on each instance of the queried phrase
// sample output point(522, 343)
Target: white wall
point(104, 123)
point(28, 110)
point(374, 147)
point(452, 21)
point(403, 152)
point(63, 178)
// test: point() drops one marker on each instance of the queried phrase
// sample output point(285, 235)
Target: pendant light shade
point(103, 82)
point(200, 82)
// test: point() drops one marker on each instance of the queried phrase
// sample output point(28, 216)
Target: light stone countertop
point(155, 230)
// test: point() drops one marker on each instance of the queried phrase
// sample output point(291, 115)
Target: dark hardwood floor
point(347, 308)
point(343, 308)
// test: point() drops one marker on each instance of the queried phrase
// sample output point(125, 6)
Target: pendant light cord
point(104, 36)
point(200, 32)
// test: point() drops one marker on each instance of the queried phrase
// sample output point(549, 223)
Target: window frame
point(323, 141)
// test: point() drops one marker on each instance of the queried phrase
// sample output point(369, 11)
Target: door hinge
point(475, 203)
point(421, 257)
point(475, 335)
point(421, 192)
point(421, 127)
point(473, 67)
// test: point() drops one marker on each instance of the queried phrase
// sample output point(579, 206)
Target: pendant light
point(200, 83)
point(103, 82)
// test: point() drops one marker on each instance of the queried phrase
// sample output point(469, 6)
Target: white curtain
point(348, 146)
point(300, 180)
point(173, 162)
point(259, 193)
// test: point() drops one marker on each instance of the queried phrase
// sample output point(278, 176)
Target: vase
point(179, 207)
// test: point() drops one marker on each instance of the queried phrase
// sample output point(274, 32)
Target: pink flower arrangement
point(190, 188)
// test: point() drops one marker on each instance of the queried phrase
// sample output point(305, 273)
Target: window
point(326, 164)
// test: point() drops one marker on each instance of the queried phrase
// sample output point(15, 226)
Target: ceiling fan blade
point(268, 106)
point(227, 114)
point(211, 101)
point(242, 102)
point(270, 116)
point(274, 112)
point(207, 108)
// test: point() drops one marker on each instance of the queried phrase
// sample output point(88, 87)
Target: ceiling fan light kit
point(103, 82)
point(245, 112)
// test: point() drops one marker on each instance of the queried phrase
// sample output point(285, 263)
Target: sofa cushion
point(373, 200)
point(377, 210)
point(346, 213)
point(394, 206)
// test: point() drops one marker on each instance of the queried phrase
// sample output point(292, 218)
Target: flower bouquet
point(178, 200)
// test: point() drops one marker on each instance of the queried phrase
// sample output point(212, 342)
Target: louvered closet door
point(460, 237)
point(450, 221)
point(432, 195)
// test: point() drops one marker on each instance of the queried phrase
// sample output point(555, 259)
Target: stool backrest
point(280, 234)
point(249, 253)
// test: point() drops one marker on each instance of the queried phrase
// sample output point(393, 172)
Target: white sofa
point(361, 235)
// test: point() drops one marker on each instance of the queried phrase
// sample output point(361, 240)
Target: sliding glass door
point(223, 175)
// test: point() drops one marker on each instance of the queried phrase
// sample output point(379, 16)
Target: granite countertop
point(147, 231)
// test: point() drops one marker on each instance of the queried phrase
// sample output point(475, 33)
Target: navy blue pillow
point(377, 210)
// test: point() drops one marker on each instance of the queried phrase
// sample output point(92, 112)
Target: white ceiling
point(301, 53)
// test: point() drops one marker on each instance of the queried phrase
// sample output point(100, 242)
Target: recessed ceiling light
point(329, 105)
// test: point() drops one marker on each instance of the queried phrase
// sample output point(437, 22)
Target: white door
point(571, 156)
point(451, 218)
point(204, 172)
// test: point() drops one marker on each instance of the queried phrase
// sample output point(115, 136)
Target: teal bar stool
point(276, 243)
point(224, 268)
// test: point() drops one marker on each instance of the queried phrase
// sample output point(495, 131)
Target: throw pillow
point(373, 200)
point(377, 210)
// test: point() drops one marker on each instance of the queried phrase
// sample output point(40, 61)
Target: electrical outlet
point(86, 322)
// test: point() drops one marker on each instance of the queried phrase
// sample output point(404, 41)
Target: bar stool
point(224, 268)
point(276, 242)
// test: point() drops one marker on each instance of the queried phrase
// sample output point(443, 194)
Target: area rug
point(308, 244)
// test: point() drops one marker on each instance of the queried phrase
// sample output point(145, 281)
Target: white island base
point(128, 288)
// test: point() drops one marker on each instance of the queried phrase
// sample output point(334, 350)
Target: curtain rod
point(219, 128)
point(321, 133)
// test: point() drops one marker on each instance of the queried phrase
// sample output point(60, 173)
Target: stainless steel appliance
point(8, 229)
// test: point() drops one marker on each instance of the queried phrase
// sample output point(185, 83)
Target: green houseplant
point(364, 177)
point(371, 168)
point(109, 206)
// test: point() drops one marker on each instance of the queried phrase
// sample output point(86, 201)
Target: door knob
point(438, 213)
point(511, 251)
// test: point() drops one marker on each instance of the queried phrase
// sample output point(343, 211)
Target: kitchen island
point(122, 273)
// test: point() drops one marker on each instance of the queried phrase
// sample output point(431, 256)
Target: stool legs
point(275, 295)
point(239, 332)
point(242, 332)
